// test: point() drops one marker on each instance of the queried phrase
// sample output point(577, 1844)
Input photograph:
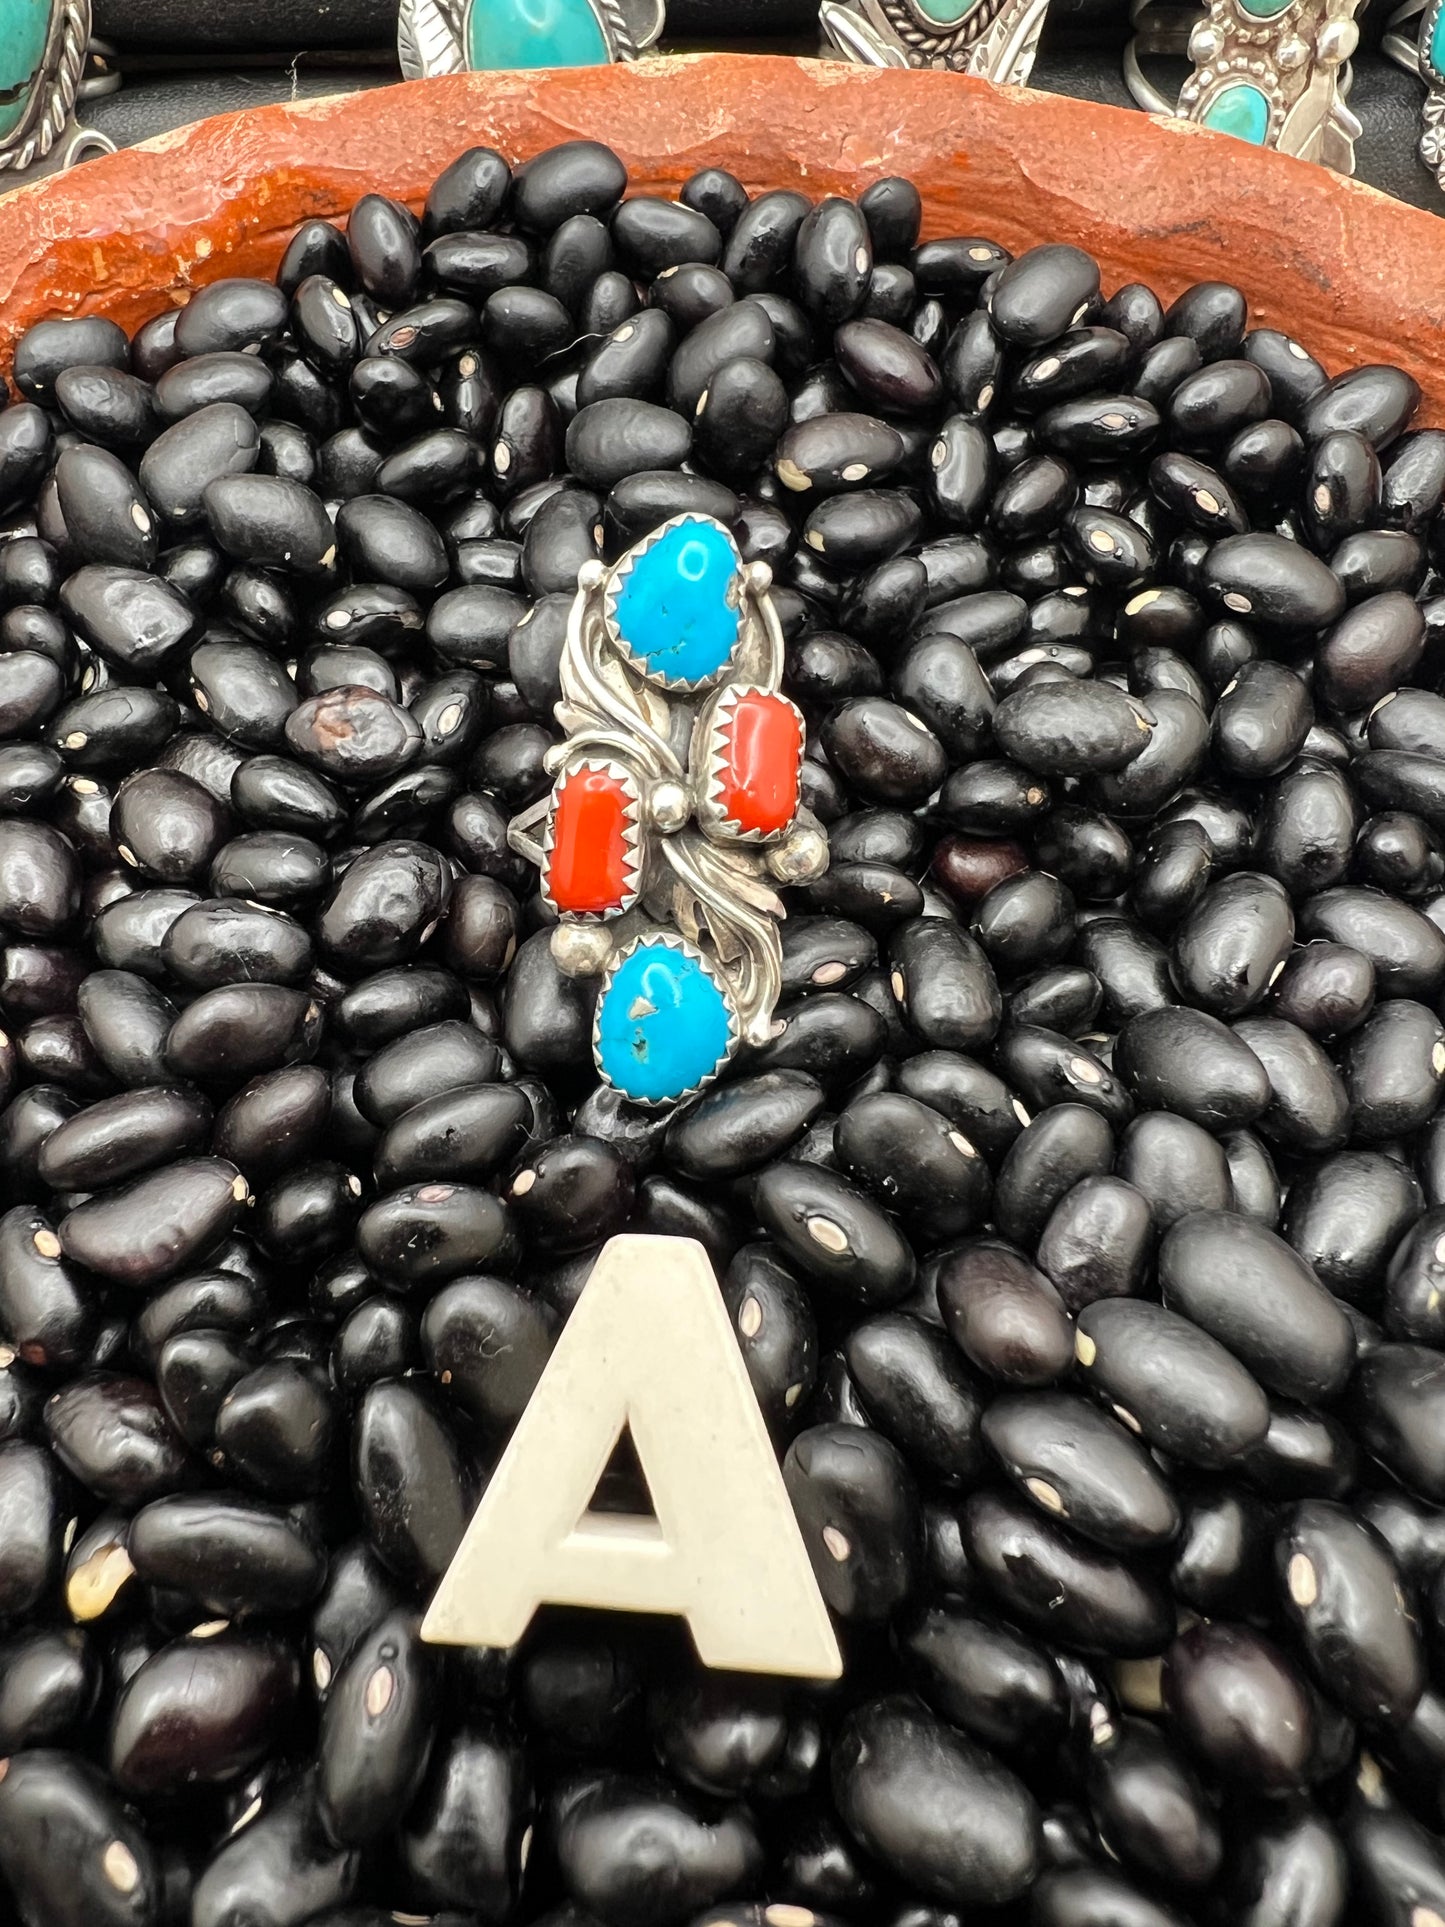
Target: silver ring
point(675, 810)
point(101, 75)
point(1278, 80)
point(996, 39)
point(454, 36)
point(44, 71)
point(1142, 90)
point(1429, 65)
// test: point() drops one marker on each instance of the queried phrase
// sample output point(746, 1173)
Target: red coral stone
point(588, 865)
point(760, 749)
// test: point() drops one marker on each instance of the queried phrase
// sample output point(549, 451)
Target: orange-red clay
point(1355, 275)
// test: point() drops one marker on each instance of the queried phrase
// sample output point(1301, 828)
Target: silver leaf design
point(429, 38)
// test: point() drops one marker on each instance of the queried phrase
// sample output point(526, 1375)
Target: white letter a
point(648, 1346)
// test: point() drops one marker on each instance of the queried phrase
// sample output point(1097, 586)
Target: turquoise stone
point(1240, 110)
point(1265, 9)
point(534, 33)
point(1435, 45)
point(676, 609)
point(663, 1024)
point(24, 31)
point(948, 13)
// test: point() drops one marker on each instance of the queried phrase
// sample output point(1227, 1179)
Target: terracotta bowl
point(1355, 275)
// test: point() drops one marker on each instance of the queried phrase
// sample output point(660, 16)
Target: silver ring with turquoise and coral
point(994, 38)
point(676, 808)
point(452, 36)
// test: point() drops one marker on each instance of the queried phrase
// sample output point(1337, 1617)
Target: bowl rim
point(1359, 276)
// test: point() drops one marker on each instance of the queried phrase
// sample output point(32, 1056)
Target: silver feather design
point(430, 38)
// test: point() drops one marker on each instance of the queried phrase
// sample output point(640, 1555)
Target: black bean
point(1087, 1896)
point(1309, 1109)
point(1341, 1590)
point(275, 523)
point(45, 1309)
point(230, 1555)
point(1063, 1144)
point(410, 1482)
point(157, 1225)
point(914, 1162)
point(281, 1860)
point(1071, 729)
point(1081, 1467)
point(903, 1780)
point(1073, 1593)
point(1240, 1704)
point(201, 1710)
point(31, 1496)
point(858, 1509)
point(49, 1687)
point(1248, 1289)
point(1147, 1802)
point(1004, 1314)
point(1163, 1376)
point(70, 1850)
point(834, 1232)
point(487, 1342)
point(1347, 1216)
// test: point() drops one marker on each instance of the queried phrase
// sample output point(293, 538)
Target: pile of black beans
point(1082, 1225)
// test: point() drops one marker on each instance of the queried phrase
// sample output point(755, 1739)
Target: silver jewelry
point(675, 809)
point(46, 65)
point(995, 38)
point(1278, 78)
point(453, 36)
point(1423, 54)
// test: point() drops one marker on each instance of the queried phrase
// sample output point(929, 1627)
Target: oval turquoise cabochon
point(532, 33)
point(664, 1025)
point(1241, 110)
point(24, 30)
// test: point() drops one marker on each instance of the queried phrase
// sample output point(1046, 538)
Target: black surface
point(172, 26)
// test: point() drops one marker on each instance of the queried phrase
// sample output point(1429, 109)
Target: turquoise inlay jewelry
point(946, 13)
point(664, 1022)
point(534, 33)
point(450, 36)
point(995, 38)
point(1272, 72)
point(1428, 58)
point(675, 810)
point(1241, 110)
point(24, 37)
point(44, 45)
point(675, 606)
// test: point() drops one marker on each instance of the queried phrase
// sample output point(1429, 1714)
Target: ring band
point(996, 39)
point(1277, 79)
